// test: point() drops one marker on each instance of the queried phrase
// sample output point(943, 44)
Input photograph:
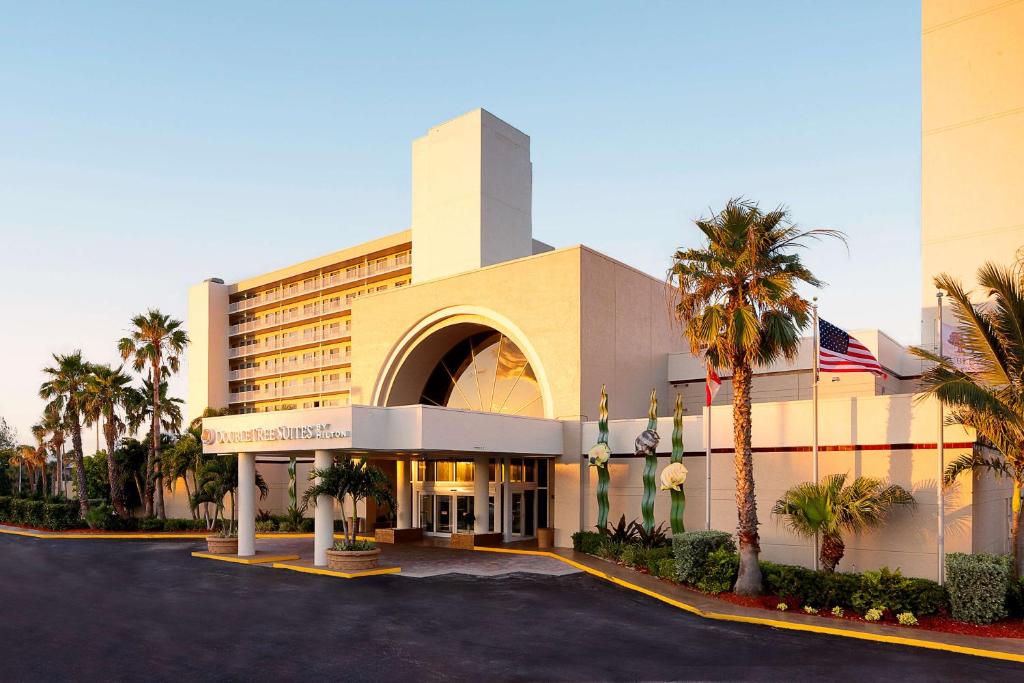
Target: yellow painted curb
point(104, 537)
point(255, 559)
point(342, 575)
point(774, 623)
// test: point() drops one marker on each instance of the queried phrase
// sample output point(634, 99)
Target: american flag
point(840, 352)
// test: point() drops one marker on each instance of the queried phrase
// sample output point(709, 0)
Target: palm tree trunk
point(1016, 537)
point(113, 476)
point(45, 490)
point(76, 452)
point(748, 581)
point(158, 502)
point(832, 550)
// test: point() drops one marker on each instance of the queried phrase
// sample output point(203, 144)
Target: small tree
point(217, 480)
point(348, 479)
point(830, 508)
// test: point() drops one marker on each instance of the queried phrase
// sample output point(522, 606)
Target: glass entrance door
point(444, 514)
point(427, 512)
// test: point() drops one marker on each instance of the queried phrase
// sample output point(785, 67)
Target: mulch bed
point(1008, 628)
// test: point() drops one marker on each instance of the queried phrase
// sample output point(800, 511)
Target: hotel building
point(465, 358)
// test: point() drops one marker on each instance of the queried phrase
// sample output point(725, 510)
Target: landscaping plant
point(986, 392)
point(352, 480)
point(692, 549)
point(738, 302)
point(831, 508)
point(217, 480)
point(979, 586)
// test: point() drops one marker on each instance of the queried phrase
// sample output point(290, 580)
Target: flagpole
point(940, 448)
point(707, 464)
point(814, 401)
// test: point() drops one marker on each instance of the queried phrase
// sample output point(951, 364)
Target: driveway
point(104, 610)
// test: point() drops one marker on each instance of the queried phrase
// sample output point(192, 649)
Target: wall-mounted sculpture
point(647, 445)
point(674, 476)
point(598, 457)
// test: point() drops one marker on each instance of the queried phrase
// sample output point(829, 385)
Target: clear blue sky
point(146, 146)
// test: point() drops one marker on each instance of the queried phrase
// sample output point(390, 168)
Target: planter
point(219, 545)
point(466, 540)
point(391, 535)
point(352, 560)
point(545, 537)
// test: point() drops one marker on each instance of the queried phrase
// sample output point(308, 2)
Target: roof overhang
point(398, 431)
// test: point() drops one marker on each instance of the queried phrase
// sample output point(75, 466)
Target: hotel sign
point(308, 432)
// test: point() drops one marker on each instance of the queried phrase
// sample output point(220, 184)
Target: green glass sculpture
point(646, 445)
point(598, 458)
point(675, 474)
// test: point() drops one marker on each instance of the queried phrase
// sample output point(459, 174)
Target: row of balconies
point(290, 340)
point(315, 284)
point(284, 317)
point(320, 362)
point(302, 389)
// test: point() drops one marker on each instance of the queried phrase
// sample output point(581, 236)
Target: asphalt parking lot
point(106, 610)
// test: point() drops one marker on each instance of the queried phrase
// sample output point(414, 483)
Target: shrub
point(837, 611)
point(100, 516)
point(979, 586)
point(307, 525)
point(906, 619)
point(720, 572)
point(898, 593)
point(692, 548)
point(266, 526)
point(151, 524)
point(61, 515)
point(665, 568)
point(610, 550)
point(587, 542)
point(5, 508)
point(634, 556)
point(873, 614)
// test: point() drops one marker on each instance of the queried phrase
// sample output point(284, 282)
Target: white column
point(481, 476)
point(323, 515)
point(506, 503)
point(403, 472)
point(246, 504)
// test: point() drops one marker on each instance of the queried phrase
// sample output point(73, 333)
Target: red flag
point(711, 385)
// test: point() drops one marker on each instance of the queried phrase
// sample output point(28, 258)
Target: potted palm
point(216, 480)
point(348, 480)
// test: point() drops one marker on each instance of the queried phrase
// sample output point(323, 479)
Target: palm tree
point(986, 392)
point(109, 390)
point(54, 426)
point(186, 457)
point(65, 393)
point(158, 341)
point(139, 411)
point(28, 457)
point(39, 432)
point(830, 508)
point(350, 479)
point(738, 304)
point(218, 479)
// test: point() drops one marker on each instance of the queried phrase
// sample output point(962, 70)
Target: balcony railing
point(318, 363)
point(303, 389)
point(284, 317)
point(308, 337)
point(390, 263)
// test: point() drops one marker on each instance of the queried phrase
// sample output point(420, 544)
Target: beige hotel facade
point(465, 358)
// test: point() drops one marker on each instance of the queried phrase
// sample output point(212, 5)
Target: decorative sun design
point(488, 373)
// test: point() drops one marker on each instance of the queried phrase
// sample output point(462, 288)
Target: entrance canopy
point(406, 430)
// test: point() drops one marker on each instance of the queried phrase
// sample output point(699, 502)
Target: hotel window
point(382, 288)
point(352, 271)
point(542, 493)
point(464, 470)
point(445, 470)
point(348, 376)
point(308, 380)
point(349, 298)
point(517, 470)
point(307, 309)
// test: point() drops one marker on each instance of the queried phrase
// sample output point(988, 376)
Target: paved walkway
point(419, 561)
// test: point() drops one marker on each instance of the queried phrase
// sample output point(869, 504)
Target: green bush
point(979, 586)
point(720, 571)
point(266, 526)
point(892, 590)
point(61, 515)
point(151, 524)
point(5, 509)
point(307, 525)
point(665, 568)
point(691, 550)
point(587, 542)
point(610, 550)
point(634, 556)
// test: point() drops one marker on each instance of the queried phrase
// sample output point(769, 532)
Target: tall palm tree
point(738, 304)
point(986, 392)
point(156, 340)
point(28, 457)
point(139, 411)
point(54, 425)
point(831, 507)
point(108, 391)
point(65, 393)
point(39, 432)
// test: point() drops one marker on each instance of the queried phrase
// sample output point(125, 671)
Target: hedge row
point(50, 514)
